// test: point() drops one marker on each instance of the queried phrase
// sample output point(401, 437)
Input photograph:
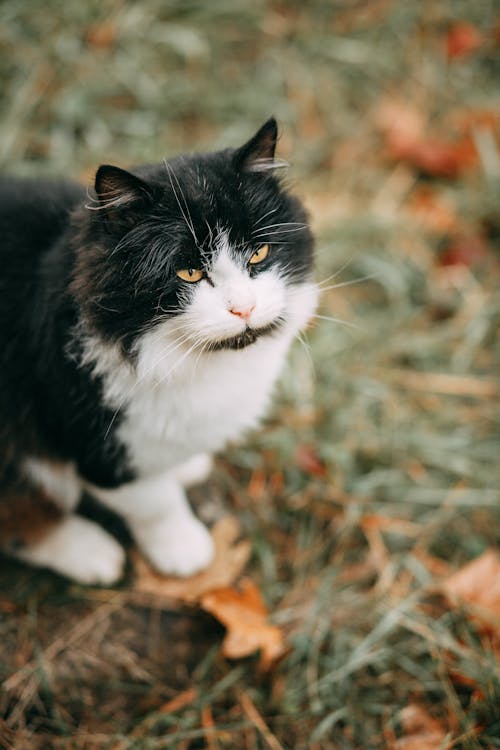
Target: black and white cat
point(139, 333)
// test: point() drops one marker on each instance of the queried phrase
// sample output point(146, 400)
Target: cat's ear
point(120, 194)
point(257, 155)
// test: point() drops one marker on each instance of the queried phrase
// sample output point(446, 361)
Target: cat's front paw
point(181, 546)
point(78, 549)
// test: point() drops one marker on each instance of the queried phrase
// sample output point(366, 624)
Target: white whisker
point(331, 319)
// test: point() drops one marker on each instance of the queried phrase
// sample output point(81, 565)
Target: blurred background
point(375, 481)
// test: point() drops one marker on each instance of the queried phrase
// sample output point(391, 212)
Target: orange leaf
point(244, 614)
point(433, 210)
point(101, 35)
point(420, 731)
point(307, 459)
point(477, 584)
point(464, 251)
point(439, 158)
point(407, 140)
point(230, 559)
point(462, 40)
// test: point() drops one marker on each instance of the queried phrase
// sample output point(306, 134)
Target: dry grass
point(377, 474)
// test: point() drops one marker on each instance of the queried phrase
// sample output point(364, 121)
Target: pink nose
point(242, 312)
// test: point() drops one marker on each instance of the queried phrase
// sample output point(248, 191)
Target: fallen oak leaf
point(435, 156)
point(420, 731)
point(230, 558)
point(477, 585)
point(407, 140)
point(468, 250)
point(244, 614)
point(462, 40)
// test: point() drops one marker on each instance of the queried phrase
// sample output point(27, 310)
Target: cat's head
point(208, 250)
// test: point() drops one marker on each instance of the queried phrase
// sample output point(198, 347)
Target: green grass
point(84, 83)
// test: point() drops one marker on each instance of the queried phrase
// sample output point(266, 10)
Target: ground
point(371, 494)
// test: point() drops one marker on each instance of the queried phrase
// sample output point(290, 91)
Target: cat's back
point(33, 213)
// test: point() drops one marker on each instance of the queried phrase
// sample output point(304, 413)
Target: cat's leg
point(39, 528)
point(162, 522)
point(194, 471)
point(78, 549)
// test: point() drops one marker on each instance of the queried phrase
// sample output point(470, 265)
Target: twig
point(446, 384)
point(251, 711)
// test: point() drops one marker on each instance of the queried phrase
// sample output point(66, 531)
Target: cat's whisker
point(297, 224)
point(274, 233)
point(332, 319)
point(190, 218)
point(272, 211)
point(176, 344)
point(307, 349)
point(337, 272)
point(348, 283)
point(203, 349)
point(188, 223)
point(179, 362)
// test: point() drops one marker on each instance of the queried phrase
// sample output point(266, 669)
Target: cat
point(143, 326)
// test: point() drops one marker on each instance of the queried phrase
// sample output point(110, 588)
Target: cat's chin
point(246, 338)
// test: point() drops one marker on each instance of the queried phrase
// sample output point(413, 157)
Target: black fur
point(106, 265)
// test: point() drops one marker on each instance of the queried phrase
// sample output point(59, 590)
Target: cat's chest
point(208, 403)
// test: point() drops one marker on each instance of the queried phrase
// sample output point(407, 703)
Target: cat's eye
point(259, 255)
point(190, 274)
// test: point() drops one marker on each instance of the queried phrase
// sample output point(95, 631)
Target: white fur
point(79, 549)
point(181, 400)
point(58, 480)
point(162, 522)
point(194, 471)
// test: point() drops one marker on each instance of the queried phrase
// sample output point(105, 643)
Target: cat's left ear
point(257, 155)
point(120, 193)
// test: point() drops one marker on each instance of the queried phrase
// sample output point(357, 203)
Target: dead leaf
point(440, 158)
point(101, 35)
point(244, 614)
point(420, 731)
point(478, 584)
point(307, 459)
point(433, 210)
point(462, 40)
point(407, 139)
point(230, 559)
point(464, 251)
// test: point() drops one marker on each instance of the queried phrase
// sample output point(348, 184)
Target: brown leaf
point(440, 158)
point(420, 731)
point(407, 140)
point(244, 614)
point(467, 250)
point(230, 559)
point(478, 584)
point(433, 210)
point(462, 40)
point(307, 459)
point(101, 35)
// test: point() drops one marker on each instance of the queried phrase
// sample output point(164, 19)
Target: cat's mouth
point(247, 337)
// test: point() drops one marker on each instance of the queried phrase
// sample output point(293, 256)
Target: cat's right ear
point(257, 155)
point(120, 195)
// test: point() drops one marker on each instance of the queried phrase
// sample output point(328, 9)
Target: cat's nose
point(242, 311)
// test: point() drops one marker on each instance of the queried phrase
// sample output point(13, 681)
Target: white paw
point(182, 546)
point(194, 471)
point(78, 549)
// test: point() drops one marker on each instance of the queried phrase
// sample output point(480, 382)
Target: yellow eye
point(190, 274)
point(260, 255)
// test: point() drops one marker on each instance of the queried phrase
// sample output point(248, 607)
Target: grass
point(378, 468)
